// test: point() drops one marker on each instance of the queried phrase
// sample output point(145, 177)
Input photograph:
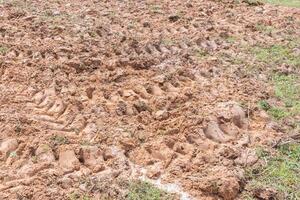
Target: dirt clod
point(265, 193)
point(44, 153)
point(213, 131)
point(92, 157)
point(7, 146)
point(68, 161)
point(229, 188)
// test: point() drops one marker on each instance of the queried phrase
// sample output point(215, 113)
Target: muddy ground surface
point(95, 94)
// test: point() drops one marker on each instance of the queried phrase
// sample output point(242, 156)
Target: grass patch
point(250, 2)
point(287, 89)
point(231, 39)
point(57, 140)
point(167, 42)
point(289, 3)
point(264, 28)
point(76, 196)
point(277, 54)
point(146, 191)
point(263, 104)
point(16, 3)
point(3, 49)
point(280, 172)
point(201, 54)
point(278, 113)
point(155, 9)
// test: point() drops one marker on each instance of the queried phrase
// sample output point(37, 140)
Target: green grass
point(278, 113)
point(263, 104)
point(251, 2)
point(15, 3)
point(264, 28)
point(231, 39)
point(57, 140)
point(201, 54)
point(277, 54)
point(76, 196)
point(280, 172)
point(286, 87)
point(156, 9)
point(167, 42)
point(289, 3)
point(3, 49)
point(146, 191)
point(287, 90)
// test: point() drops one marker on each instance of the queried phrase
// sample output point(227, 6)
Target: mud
point(94, 91)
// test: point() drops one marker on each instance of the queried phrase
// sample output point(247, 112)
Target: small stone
point(83, 187)
point(128, 93)
point(160, 78)
point(259, 10)
point(56, 13)
point(161, 115)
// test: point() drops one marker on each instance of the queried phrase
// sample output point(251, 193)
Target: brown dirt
point(92, 92)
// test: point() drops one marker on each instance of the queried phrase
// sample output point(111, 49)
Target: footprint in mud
point(142, 56)
point(153, 96)
point(215, 133)
point(50, 110)
point(231, 119)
